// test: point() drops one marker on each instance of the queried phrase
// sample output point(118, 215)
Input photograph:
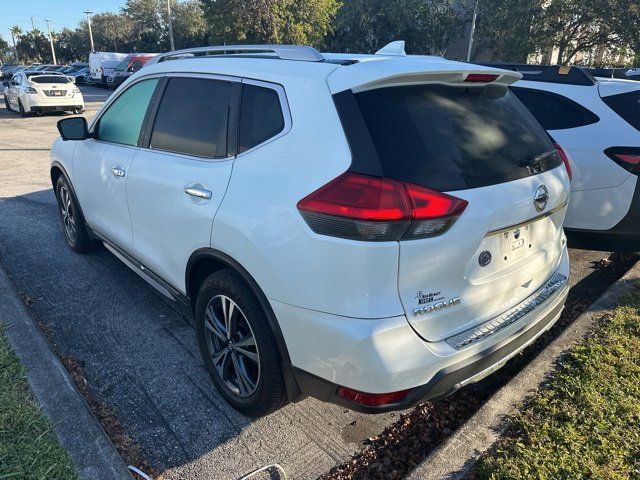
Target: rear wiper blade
point(536, 159)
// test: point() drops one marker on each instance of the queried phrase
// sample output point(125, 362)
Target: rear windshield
point(49, 79)
point(627, 105)
point(452, 138)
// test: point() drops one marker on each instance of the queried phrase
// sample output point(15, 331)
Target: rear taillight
point(372, 399)
point(565, 160)
point(627, 157)
point(480, 78)
point(361, 207)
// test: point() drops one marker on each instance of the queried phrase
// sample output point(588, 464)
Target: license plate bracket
point(516, 242)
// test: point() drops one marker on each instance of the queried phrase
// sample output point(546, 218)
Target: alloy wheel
point(68, 215)
point(232, 346)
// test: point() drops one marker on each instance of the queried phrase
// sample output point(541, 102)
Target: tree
point(269, 21)
point(509, 30)
point(111, 32)
point(5, 53)
point(72, 45)
point(16, 31)
point(32, 46)
point(575, 26)
point(189, 25)
point(148, 19)
point(427, 26)
point(625, 18)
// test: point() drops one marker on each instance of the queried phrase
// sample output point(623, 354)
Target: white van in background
point(101, 61)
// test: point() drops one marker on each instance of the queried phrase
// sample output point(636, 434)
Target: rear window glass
point(627, 105)
point(49, 79)
point(553, 111)
point(452, 138)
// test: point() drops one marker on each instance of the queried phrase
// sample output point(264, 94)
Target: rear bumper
point(387, 355)
point(623, 237)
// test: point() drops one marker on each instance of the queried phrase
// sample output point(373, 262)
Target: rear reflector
point(372, 399)
point(565, 160)
point(361, 207)
point(480, 78)
point(627, 157)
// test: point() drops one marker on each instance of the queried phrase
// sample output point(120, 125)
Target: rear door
point(470, 142)
point(176, 185)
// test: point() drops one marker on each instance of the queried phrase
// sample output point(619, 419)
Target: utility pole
point(173, 47)
point(473, 30)
point(33, 24)
point(88, 13)
point(53, 50)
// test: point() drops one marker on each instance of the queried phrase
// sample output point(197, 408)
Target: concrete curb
point(76, 427)
point(457, 455)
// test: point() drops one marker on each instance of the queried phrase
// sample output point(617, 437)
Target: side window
point(137, 65)
point(553, 111)
point(260, 116)
point(193, 117)
point(627, 105)
point(122, 121)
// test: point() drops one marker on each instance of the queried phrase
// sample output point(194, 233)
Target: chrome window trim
point(527, 222)
point(284, 107)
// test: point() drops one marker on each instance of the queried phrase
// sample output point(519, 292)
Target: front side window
point(554, 112)
point(122, 121)
point(260, 116)
point(193, 117)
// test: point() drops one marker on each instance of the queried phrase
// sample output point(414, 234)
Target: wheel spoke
point(213, 325)
point(245, 384)
point(228, 311)
point(247, 341)
point(250, 355)
point(219, 359)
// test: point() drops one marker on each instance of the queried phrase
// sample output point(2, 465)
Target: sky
point(62, 13)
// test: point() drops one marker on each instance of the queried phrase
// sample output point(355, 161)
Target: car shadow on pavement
point(140, 359)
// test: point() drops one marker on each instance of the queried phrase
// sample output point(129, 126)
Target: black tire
point(21, 110)
point(6, 103)
point(269, 393)
point(73, 224)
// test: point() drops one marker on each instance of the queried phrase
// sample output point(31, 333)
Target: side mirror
point(73, 128)
point(5, 84)
point(72, 79)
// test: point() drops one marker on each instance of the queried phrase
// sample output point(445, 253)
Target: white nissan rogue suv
point(370, 230)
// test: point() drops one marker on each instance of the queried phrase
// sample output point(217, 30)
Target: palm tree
point(16, 31)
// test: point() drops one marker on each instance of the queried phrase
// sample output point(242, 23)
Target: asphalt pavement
point(138, 354)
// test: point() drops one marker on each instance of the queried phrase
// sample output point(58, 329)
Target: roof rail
point(568, 75)
point(283, 52)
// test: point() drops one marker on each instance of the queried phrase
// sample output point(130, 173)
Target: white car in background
point(40, 92)
point(597, 124)
point(371, 230)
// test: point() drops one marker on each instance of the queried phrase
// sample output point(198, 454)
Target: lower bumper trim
point(447, 380)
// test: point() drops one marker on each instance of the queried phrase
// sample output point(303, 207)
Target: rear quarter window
point(441, 137)
point(627, 105)
point(553, 111)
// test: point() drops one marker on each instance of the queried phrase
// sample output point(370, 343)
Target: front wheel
point(73, 226)
point(237, 345)
point(21, 109)
point(6, 103)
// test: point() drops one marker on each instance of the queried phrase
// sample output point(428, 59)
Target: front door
point(101, 164)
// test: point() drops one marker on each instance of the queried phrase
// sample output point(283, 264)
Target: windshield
point(453, 138)
point(49, 79)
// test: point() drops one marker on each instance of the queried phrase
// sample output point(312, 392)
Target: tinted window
point(50, 79)
point(554, 112)
point(193, 117)
point(260, 116)
point(121, 123)
point(447, 138)
point(627, 105)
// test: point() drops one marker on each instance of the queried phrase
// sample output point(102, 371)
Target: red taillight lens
point(372, 399)
point(627, 157)
point(360, 207)
point(480, 78)
point(565, 160)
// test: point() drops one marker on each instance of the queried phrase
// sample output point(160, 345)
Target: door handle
point(198, 192)
point(118, 172)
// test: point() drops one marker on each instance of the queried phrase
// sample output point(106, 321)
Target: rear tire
point(237, 345)
point(6, 103)
point(73, 224)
